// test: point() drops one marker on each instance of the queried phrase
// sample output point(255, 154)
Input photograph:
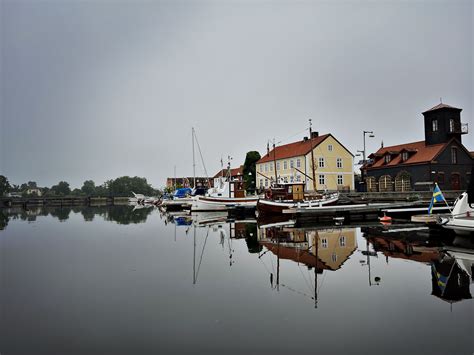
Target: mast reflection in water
point(119, 280)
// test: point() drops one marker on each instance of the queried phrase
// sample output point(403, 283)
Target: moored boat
point(226, 195)
point(286, 196)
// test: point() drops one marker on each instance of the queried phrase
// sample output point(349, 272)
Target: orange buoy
point(385, 219)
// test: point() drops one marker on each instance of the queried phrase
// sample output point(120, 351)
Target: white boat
point(226, 195)
point(461, 219)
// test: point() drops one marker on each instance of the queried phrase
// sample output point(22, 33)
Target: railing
point(459, 128)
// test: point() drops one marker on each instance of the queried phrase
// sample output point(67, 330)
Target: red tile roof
point(440, 106)
point(423, 154)
point(233, 172)
point(293, 149)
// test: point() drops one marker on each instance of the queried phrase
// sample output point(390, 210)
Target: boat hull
point(268, 208)
point(207, 203)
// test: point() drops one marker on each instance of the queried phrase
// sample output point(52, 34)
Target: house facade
point(440, 158)
point(333, 164)
point(236, 174)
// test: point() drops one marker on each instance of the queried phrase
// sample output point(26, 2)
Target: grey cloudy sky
point(100, 89)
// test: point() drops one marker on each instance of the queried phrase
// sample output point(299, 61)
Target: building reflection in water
point(451, 264)
point(318, 250)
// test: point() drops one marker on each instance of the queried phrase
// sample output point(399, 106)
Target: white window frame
point(298, 163)
point(340, 179)
point(339, 164)
point(285, 165)
point(321, 162)
point(330, 147)
point(342, 241)
point(322, 179)
point(278, 165)
point(292, 164)
point(266, 167)
point(324, 243)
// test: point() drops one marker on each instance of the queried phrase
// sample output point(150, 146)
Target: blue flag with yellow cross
point(437, 197)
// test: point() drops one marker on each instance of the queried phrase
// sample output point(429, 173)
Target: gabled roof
point(420, 153)
point(440, 106)
point(296, 149)
point(233, 172)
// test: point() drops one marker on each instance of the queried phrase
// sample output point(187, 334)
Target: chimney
point(305, 139)
point(314, 134)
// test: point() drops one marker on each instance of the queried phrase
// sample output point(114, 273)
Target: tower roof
point(441, 106)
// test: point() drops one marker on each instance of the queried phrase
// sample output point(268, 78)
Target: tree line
point(122, 186)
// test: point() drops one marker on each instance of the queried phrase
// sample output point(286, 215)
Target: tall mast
point(194, 162)
point(312, 155)
point(316, 272)
point(274, 162)
point(175, 177)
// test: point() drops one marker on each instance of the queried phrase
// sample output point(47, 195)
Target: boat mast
point(274, 162)
point(316, 271)
point(194, 162)
point(312, 155)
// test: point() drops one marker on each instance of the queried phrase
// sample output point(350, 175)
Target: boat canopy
point(182, 192)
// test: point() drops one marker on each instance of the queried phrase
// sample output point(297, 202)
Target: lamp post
point(371, 135)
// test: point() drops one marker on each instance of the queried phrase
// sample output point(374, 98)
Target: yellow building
point(333, 164)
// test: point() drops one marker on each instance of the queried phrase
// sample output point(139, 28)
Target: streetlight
point(371, 135)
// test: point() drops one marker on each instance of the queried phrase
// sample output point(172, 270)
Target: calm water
point(118, 281)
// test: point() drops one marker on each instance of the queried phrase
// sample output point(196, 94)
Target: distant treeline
point(122, 186)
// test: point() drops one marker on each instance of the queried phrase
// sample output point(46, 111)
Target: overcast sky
point(101, 89)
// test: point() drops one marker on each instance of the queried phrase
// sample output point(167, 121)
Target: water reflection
point(119, 214)
point(205, 278)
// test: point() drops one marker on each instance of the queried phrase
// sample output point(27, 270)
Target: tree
point(250, 169)
point(61, 189)
point(32, 184)
point(125, 185)
point(88, 187)
point(4, 185)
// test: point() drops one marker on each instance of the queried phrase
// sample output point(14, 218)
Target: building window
point(385, 183)
point(261, 168)
point(342, 241)
point(271, 167)
point(322, 180)
point(340, 180)
point(261, 183)
point(454, 155)
point(339, 163)
point(285, 165)
point(266, 182)
point(321, 162)
point(324, 243)
point(435, 125)
point(403, 182)
point(285, 179)
point(298, 178)
point(278, 165)
point(404, 156)
point(291, 178)
point(371, 184)
point(330, 147)
point(451, 125)
point(387, 158)
point(334, 257)
point(266, 167)
point(298, 163)
point(292, 163)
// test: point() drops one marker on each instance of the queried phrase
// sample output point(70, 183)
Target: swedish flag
point(437, 197)
point(441, 280)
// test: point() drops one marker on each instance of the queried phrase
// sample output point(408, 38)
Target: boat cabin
point(225, 188)
point(288, 191)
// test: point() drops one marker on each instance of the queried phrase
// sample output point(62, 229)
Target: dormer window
point(404, 156)
point(435, 125)
point(387, 158)
point(451, 125)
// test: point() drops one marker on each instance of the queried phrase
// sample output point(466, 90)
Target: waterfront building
point(293, 162)
point(440, 158)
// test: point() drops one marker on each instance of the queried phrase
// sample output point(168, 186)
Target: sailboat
point(227, 194)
